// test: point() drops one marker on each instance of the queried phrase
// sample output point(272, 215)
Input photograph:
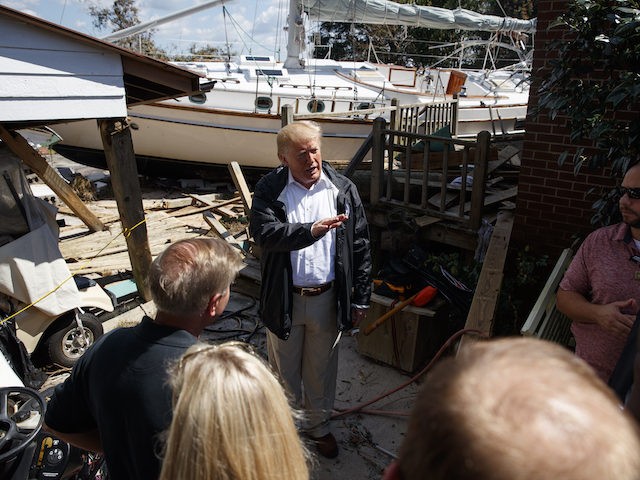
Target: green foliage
point(455, 264)
point(523, 281)
point(597, 74)
point(197, 53)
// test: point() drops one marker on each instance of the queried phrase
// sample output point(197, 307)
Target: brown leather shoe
point(326, 445)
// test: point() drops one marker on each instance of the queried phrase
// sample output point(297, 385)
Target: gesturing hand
point(321, 227)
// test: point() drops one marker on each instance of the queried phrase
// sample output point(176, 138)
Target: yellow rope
point(125, 231)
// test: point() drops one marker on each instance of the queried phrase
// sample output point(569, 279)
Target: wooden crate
point(403, 340)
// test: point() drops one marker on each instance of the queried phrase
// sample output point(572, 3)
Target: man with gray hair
point(117, 399)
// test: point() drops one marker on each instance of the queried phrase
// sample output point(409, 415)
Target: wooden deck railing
point(422, 181)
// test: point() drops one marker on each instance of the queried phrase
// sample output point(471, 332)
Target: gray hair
point(184, 277)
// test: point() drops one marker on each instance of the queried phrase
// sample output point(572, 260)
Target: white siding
point(46, 76)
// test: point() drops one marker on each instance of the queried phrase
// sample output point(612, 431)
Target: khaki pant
point(306, 361)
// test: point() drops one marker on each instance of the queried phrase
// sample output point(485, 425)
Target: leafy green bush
point(595, 83)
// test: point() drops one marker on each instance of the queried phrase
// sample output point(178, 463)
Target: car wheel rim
point(76, 342)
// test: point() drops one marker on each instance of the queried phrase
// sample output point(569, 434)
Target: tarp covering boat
point(384, 12)
point(31, 265)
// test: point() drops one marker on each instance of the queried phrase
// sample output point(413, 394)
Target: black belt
point(312, 291)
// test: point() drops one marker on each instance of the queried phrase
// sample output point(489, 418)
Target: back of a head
point(184, 276)
point(297, 132)
point(518, 409)
point(231, 419)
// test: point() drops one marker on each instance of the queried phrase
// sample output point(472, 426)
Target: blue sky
point(256, 18)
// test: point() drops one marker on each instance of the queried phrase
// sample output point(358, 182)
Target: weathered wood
point(19, 145)
point(208, 205)
point(485, 299)
point(286, 115)
point(425, 220)
point(185, 201)
point(159, 225)
point(479, 179)
point(439, 232)
point(105, 252)
point(220, 230)
point(118, 150)
point(449, 199)
point(490, 199)
point(241, 184)
point(377, 161)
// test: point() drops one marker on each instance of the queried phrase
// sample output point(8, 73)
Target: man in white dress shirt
point(311, 227)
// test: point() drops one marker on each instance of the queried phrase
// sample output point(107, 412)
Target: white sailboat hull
point(202, 136)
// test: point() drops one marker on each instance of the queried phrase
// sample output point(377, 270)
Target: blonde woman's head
point(231, 419)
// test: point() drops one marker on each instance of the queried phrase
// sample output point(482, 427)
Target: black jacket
point(277, 238)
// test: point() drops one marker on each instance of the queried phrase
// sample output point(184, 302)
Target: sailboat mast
point(295, 37)
point(143, 27)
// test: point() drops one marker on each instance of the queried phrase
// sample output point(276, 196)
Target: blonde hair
point(297, 132)
point(520, 409)
point(231, 419)
point(184, 277)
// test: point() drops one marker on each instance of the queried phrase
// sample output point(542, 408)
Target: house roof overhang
point(145, 79)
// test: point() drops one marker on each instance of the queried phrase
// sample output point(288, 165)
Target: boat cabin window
point(315, 106)
point(198, 98)
point(253, 58)
point(269, 72)
point(263, 103)
point(264, 74)
point(365, 106)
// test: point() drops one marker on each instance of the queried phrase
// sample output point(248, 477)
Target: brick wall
point(552, 206)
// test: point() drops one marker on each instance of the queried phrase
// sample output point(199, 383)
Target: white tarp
point(31, 265)
point(384, 12)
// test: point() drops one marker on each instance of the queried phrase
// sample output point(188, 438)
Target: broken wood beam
point(118, 151)
point(241, 185)
point(221, 231)
point(485, 299)
point(36, 162)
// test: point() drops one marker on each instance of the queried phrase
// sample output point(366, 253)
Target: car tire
point(68, 343)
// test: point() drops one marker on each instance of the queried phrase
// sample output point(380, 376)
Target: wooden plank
point(485, 299)
point(159, 224)
point(449, 198)
point(208, 206)
point(241, 184)
point(480, 177)
point(489, 199)
point(51, 177)
point(220, 230)
point(187, 201)
point(106, 252)
point(118, 150)
point(425, 220)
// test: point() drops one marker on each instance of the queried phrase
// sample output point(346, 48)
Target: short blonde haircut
point(231, 420)
point(518, 409)
point(184, 277)
point(298, 132)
